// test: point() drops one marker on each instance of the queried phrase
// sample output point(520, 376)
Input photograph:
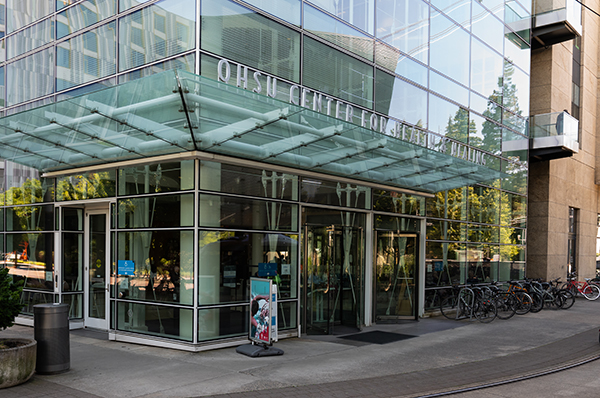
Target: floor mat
point(377, 337)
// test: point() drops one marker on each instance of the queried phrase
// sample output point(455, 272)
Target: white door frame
point(89, 321)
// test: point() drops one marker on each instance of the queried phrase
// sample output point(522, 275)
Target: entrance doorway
point(96, 269)
point(332, 279)
point(395, 275)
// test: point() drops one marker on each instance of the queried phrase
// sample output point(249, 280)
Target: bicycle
point(469, 303)
point(588, 290)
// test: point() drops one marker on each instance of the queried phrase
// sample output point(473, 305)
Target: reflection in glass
point(449, 48)
point(401, 203)
point(75, 302)
point(335, 194)
point(448, 119)
point(185, 62)
point(231, 212)
point(86, 57)
point(97, 266)
point(30, 38)
point(488, 28)
point(398, 63)
point(484, 205)
point(404, 24)
point(288, 10)
point(487, 68)
point(38, 68)
point(86, 186)
point(228, 260)
point(72, 262)
point(449, 89)
point(29, 299)
point(157, 177)
point(357, 12)
point(240, 180)
point(29, 257)
point(172, 322)
point(445, 264)
point(82, 15)
point(23, 12)
point(163, 261)
point(517, 180)
point(485, 134)
point(223, 322)
point(337, 32)
point(27, 188)
point(395, 273)
point(483, 263)
point(30, 218)
point(157, 212)
point(344, 77)
point(458, 10)
point(268, 45)
point(156, 32)
point(400, 99)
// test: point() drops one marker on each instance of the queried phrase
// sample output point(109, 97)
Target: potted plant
point(17, 355)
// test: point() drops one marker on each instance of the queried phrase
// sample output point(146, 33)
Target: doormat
point(377, 337)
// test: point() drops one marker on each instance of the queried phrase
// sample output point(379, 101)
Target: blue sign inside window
point(126, 267)
point(267, 269)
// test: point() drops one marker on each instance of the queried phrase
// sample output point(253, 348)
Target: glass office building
point(166, 149)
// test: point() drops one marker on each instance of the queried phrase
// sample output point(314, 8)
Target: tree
point(10, 299)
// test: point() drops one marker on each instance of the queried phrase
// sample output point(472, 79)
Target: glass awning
point(176, 112)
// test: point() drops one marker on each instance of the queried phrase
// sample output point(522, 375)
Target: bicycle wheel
point(449, 307)
point(523, 303)
point(538, 302)
point(591, 292)
point(568, 299)
point(485, 310)
point(506, 306)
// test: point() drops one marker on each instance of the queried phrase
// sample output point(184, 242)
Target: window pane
point(335, 194)
point(90, 56)
point(157, 212)
point(445, 264)
point(86, 186)
point(268, 46)
point(140, 42)
point(335, 73)
point(517, 180)
point(186, 62)
point(24, 12)
point(484, 205)
point(37, 68)
point(487, 68)
point(158, 177)
point(449, 48)
point(488, 28)
point(127, 4)
point(485, 134)
point(337, 32)
point(229, 212)
point(448, 88)
point(228, 260)
point(401, 100)
point(458, 10)
point(30, 218)
point(516, 90)
point(30, 38)
point(171, 322)
point(215, 323)
point(83, 15)
point(72, 264)
point(404, 24)
point(26, 188)
point(164, 270)
point(247, 181)
point(401, 203)
point(448, 119)
point(30, 258)
point(288, 10)
point(398, 63)
point(357, 12)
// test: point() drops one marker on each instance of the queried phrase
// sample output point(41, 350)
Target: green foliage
point(10, 299)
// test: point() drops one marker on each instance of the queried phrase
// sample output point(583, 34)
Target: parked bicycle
point(586, 289)
point(469, 303)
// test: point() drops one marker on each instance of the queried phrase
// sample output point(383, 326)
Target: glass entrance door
point(395, 275)
point(333, 275)
point(96, 269)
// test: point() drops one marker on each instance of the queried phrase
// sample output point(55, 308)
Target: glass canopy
point(177, 112)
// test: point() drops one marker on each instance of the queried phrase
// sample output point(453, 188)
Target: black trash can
point(51, 331)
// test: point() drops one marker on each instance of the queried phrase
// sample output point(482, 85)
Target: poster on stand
point(260, 310)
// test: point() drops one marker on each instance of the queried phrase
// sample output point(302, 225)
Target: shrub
point(10, 299)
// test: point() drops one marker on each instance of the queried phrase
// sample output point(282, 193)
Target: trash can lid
point(51, 308)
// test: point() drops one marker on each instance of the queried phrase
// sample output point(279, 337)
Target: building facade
point(368, 148)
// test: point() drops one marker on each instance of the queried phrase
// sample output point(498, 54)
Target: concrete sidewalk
point(443, 355)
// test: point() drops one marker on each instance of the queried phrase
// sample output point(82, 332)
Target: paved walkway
point(444, 355)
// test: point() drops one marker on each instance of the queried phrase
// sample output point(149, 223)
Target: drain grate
point(377, 337)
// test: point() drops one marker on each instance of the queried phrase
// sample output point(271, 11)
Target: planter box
point(17, 364)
